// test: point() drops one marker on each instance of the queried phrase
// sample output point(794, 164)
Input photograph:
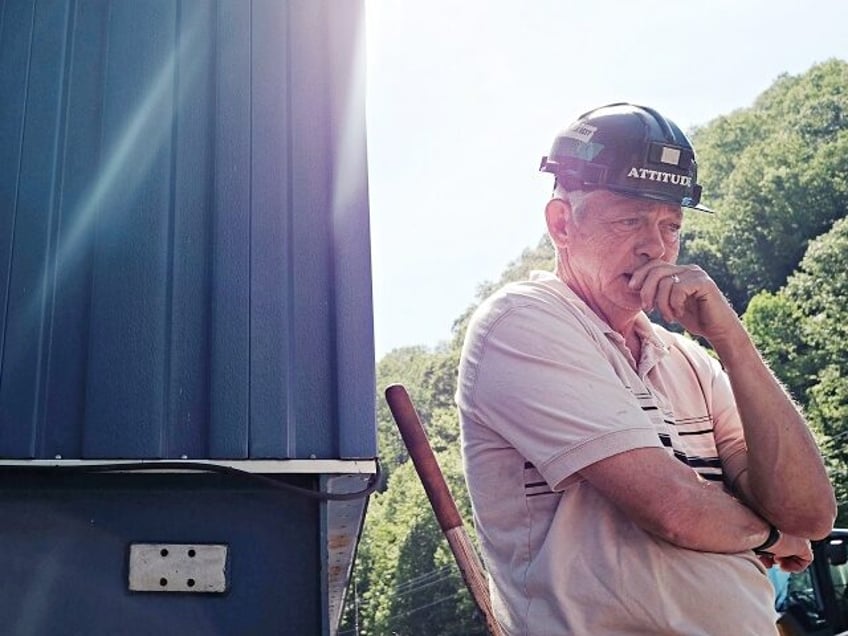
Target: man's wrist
point(738, 347)
point(773, 537)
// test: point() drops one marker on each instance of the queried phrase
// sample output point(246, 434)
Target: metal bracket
point(178, 567)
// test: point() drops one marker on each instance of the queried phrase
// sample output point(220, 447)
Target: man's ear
point(557, 213)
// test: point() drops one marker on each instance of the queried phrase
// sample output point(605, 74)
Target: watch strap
point(773, 537)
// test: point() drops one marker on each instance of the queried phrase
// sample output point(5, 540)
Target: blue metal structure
point(184, 277)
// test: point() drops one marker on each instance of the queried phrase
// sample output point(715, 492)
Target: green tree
point(430, 376)
point(772, 320)
point(406, 578)
point(403, 562)
point(802, 330)
point(776, 175)
point(540, 257)
point(820, 290)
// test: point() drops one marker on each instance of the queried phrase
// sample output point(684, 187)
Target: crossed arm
point(784, 482)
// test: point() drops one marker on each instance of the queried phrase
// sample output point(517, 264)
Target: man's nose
point(651, 242)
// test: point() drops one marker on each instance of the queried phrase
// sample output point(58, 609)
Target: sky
point(463, 98)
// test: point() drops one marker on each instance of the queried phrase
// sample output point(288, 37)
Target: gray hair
point(575, 199)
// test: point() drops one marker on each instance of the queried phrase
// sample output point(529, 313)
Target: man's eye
point(673, 229)
point(630, 222)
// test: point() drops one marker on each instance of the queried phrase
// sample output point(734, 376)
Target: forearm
point(785, 481)
point(669, 500)
point(705, 517)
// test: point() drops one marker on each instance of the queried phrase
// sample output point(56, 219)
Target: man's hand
point(790, 553)
point(687, 295)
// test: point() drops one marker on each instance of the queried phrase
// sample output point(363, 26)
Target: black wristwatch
point(773, 537)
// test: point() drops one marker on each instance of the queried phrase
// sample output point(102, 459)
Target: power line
point(415, 584)
point(422, 586)
point(411, 611)
point(414, 580)
point(425, 606)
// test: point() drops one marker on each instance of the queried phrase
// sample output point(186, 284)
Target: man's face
point(612, 236)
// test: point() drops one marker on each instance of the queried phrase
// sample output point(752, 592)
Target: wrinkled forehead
point(611, 203)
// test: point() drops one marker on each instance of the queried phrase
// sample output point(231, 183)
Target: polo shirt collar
point(653, 347)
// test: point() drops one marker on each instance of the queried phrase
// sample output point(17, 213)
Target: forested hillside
point(776, 175)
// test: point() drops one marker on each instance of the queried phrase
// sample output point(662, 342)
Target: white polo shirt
point(547, 388)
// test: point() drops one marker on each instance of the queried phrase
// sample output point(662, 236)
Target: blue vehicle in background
point(815, 602)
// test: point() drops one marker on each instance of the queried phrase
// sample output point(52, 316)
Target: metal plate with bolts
point(178, 567)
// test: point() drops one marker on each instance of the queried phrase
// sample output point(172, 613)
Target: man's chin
point(630, 301)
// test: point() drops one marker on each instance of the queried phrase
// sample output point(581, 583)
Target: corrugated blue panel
point(184, 254)
point(274, 304)
point(31, 176)
point(189, 338)
point(312, 239)
point(230, 324)
point(131, 235)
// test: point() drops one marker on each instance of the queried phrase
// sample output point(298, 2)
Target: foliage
point(820, 290)
point(777, 175)
point(429, 376)
point(406, 578)
point(540, 257)
point(772, 320)
point(801, 330)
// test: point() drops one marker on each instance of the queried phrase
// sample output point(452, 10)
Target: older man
point(623, 480)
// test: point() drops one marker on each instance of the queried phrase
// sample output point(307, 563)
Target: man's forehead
point(615, 203)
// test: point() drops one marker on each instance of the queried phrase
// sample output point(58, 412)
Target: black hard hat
point(631, 150)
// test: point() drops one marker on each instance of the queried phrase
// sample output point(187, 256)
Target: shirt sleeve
point(729, 435)
point(727, 424)
point(538, 376)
